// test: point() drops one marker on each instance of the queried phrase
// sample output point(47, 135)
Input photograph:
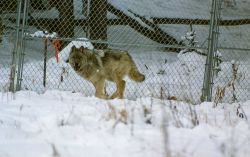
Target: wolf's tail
point(135, 75)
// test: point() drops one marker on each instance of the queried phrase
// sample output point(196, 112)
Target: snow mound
point(62, 123)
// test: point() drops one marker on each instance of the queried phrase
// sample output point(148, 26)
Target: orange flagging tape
point(56, 44)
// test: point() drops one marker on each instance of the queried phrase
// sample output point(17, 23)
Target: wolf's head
point(77, 58)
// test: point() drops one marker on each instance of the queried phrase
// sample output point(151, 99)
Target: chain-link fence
point(231, 83)
point(8, 10)
point(170, 42)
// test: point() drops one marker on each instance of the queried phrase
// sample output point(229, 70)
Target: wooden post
point(98, 22)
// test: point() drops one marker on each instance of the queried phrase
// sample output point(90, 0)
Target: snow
point(164, 8)
point(64, 53)
point(42, 34)
point(182, 8)
point(62, 123)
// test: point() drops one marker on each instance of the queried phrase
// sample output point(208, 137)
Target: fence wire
point(168, 40)
point(8, 9)
point(232, 81)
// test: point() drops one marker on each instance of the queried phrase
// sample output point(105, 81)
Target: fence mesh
point(166, 39)
point(232, 80)
point(8, 11)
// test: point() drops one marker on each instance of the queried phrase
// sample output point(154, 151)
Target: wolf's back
point(122, 59)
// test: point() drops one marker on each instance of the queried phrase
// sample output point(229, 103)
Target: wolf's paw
point(116, 95)
point(102, 96)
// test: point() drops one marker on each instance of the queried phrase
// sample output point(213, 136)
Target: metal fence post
point(21, 52)
point(212, 48)
point(13, 77)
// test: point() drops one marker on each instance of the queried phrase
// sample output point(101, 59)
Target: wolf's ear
point(82, 49)
point(73, 48)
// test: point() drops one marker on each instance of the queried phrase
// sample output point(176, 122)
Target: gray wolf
point(97, 66)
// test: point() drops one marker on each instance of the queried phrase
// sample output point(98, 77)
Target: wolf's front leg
point(99, 89)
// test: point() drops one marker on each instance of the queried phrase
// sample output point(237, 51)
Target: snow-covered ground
point(66, 124)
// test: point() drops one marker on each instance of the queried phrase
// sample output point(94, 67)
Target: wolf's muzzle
point(76, 66)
